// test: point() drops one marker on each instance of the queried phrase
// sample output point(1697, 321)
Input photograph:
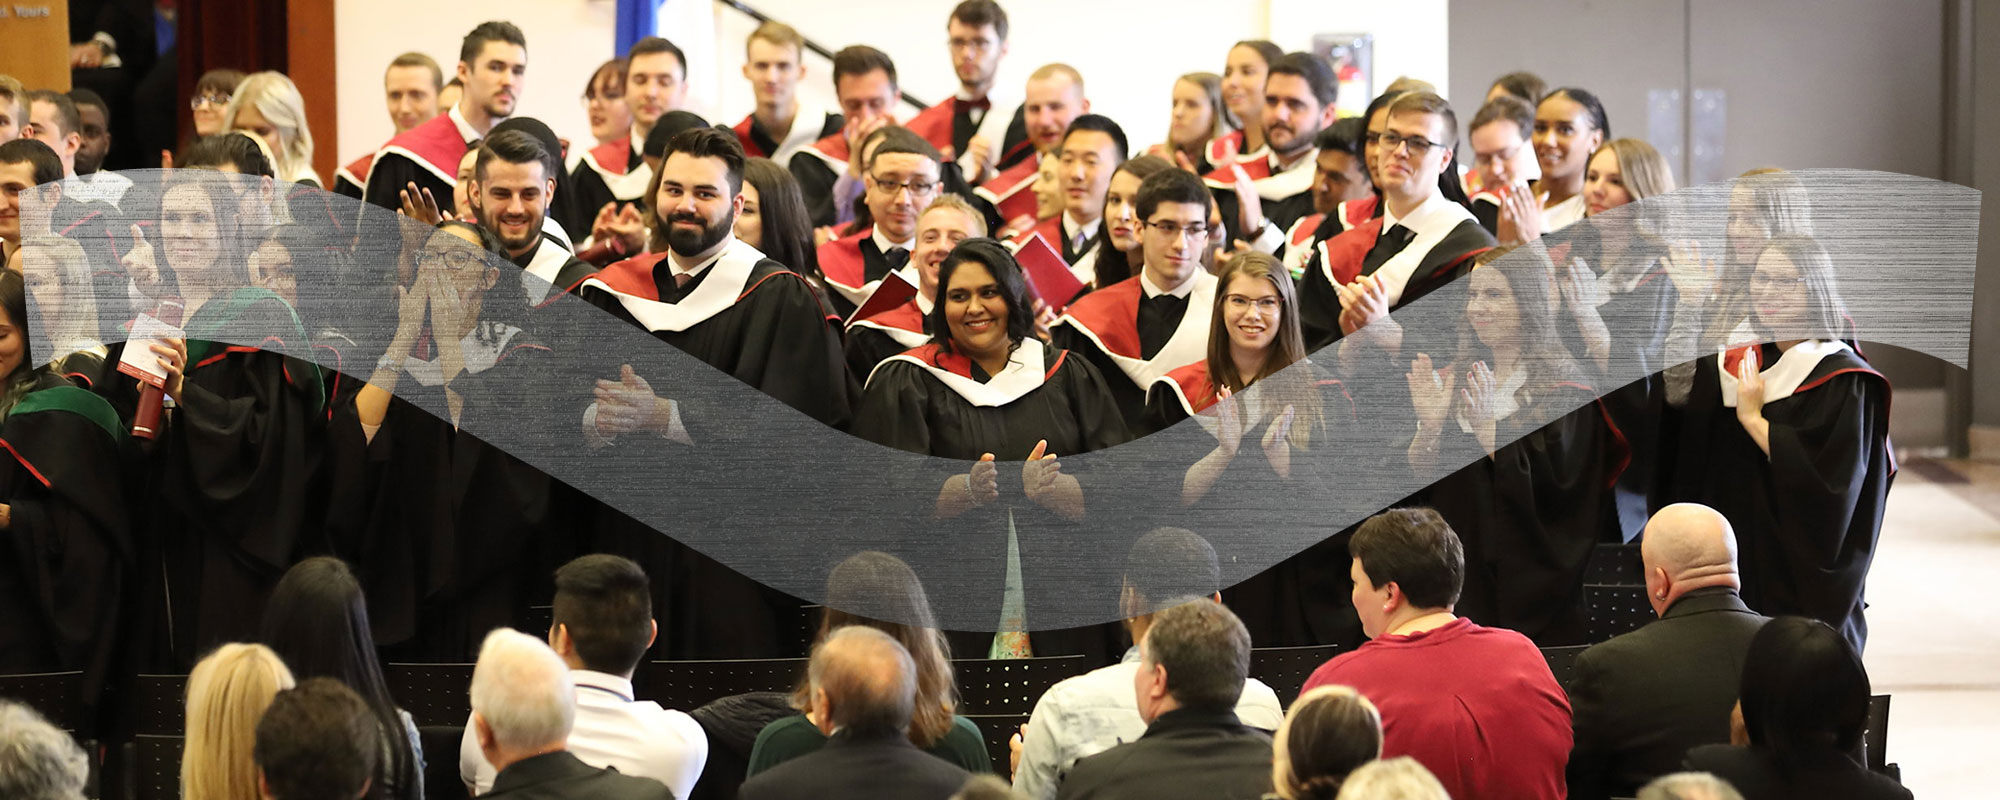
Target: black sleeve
point(1096, 410)
point(393, 173)
point(895, 410)
point(1163, 411)
point(816, 181)
point(1828, 478)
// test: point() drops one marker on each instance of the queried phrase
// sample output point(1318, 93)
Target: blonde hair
point(226, 695)
point(1399, 778)
point(958, 204)
point(777, 33)
point(1643, 169)
point(278, 100)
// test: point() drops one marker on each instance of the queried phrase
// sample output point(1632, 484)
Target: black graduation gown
point(1319, 304)
point(591, 193)
point(393, 172)
point(908, 408)
point(868, 346)
point(238, 476)
point(69, 548)
point(1530, 515)
point(775, 337)
point(1806, 517)
point(1153, 328)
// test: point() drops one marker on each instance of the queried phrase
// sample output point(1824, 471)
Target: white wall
point(1129, 54)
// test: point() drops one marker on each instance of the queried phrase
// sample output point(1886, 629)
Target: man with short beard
point(493, 65)
point(721, 301)
point(514, 178)
point(1261, 199)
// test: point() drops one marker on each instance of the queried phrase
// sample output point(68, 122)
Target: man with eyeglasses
point(829, 170)
point(1263, 198)
point(1503, 158)
point(421, 164)
point(411, 86)
point(1055, 99)
point(985, 136)
point(1139, 329)
point(901, 179)
point(1422, 241)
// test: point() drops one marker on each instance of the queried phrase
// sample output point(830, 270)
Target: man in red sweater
point(1476, 706)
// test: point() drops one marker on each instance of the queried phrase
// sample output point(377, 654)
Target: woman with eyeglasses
point(986, 391)
point(211, 97)
point(1516, 453)
point(1789, 440)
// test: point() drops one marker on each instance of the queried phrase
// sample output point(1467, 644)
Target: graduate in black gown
point(1789, 440)
point(985, 390)
point(1519, 456)
point(451, 535)
point(1261, 199)
point(1263, 440)
point(237, 500)
point(948, 221)
point(64, 513)
point(720, 301)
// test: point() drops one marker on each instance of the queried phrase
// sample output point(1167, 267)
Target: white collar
point(1153, 290)
point(715, 294)
point(967, 96)
point(602, 680)
point(1782, 378)
point(883, 244)
point(1071, 227)
point(1024, 373)
point(465, 130)
point(1425, 213)
point(924, 304)
point(674, 265)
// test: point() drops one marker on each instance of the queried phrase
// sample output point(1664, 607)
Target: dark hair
point(218, 80)
point(898, 139)
point(606, 604)
point(66, 114)
point(230, 148)
point(706, 142)
point(1590, 105)
point(1206, 651)
point(1170, 186)
point(1344, 136)
point(1526, 86)
point(488, 240)
point(653, 45)
point(317, 741)
point(788, 228)
point(1170, 565)
point(980, 13)
point(514, 147)
point(1545, 356)
point(864, 217)
point(860, 59)
point(317, 621)
point(1000, 263)
point(872, 588)
point(85, 97)
point(493, 31)
point(1265, 48)
point(1328, 732)
point(416, 59)
point(1108, 268)
point(1315, 71)
point(669, 126)
point(1506, 108)
point(566, 207)
point(1101, 124)
point(1804, 693)
point(611, 73)
point(14, 301)
point(1416, 550)
point(36, 153)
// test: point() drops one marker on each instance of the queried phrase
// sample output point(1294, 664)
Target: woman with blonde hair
point(269, 104)
point(1400, 778)
point(1328, 733)
point(1198, 118)
point(226, 695)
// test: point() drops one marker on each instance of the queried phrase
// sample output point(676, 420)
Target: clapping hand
point(625, 405)
point(982, 484)
point(1430, 392)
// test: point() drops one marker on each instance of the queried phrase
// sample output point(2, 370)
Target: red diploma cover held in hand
point(1049, 278)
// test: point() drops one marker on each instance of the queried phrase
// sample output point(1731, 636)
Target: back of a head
point(523, 692)
point(1206, 652)
point(317, 621)
point(47, 165)
point(605, 603)
point(669, 126)
point(233, 149)
point(1415, 549)
point(1525, 86)
point(1168, 566)
point(1327, 734)
point(38, 761)
point(880, 591)
point(1343, 136)
point(226, 695)
point(1399, 778)
point(1689, 541)
point(868, 679)
point(1804, 693)
point(318, 741)
point(1689, 786)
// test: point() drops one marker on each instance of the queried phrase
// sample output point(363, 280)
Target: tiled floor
point(1934, 627)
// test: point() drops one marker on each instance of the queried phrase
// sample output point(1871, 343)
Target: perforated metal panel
point(1010, 686)
point(435, 694)
point(51, 694)
point(1285, 669)
point(1612, 609)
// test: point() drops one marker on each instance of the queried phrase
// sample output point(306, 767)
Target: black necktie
point(1159, 317)
point(896, 257)
point(1391, 242)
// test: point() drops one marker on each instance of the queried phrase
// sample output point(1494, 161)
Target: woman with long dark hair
point(1243, 75)
point(1120, 232)
point(317, 621)
point(774, 218)
point(1570, 124)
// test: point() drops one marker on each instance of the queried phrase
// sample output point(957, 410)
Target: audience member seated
point(1328, 733)
point(319, 741)
point(601, 625)
point(986, 787)
point(226, 694)
point(1392, 779)
point(1096, 711)
point(523, 707)
point(317, 621)
point(1193, 662)
point(864, 687)
point(866, 589)
point(1476, 705)
point(39, 761)
point(1804, 701)
point(1643, 699)
point(1689, 786)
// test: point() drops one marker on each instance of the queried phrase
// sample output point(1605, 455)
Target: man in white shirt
point(1096, 711)
point(602, 626)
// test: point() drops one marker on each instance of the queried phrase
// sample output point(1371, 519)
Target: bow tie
point(896, 258)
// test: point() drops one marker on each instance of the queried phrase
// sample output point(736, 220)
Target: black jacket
point(861, 767)
point(1641, 700)
point(1184, 753)
point(1756, 776)
point(560, 776)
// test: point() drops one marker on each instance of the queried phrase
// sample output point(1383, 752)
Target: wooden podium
point(36, 33)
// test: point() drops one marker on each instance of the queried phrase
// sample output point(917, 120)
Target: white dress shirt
point(637, 737)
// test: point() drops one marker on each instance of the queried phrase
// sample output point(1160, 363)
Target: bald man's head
point(1687, 546)
point(866, 681)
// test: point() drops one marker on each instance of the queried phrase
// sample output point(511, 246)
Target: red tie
point(681, 279)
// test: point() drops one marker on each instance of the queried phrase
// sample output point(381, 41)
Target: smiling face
point(1403, 170)
point(1243, 77)
point(1048, 188)
point(1088, 159)
point(15, 181)
point(1251, 312)
point(13, 343)
point(513, 200)
point(1564, 137)
point(1491, 310)
point(189, 233)
point(750, 222)
point(940, 230)
point(208, 113)
point(1052, 104)
point(1193, 118)
point(1378, 122)
point(1121, 212)
point(464, 269)
point(975, 308)
point(900, 185)
point(1604, 184)
point(695, 203)
point(462, 197)
point(1778, 292)
point(271, 268)
point(495, 80)
point(412, 96)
